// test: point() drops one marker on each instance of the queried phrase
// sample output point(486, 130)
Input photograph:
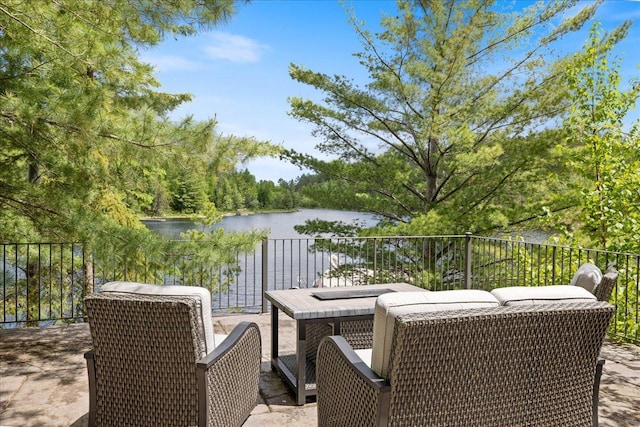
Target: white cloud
point(234, 48)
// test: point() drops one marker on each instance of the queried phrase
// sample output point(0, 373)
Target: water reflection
point(279, 224)
point(291, 260)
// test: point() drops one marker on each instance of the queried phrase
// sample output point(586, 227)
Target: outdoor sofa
point(514, 357)
point(359, 333)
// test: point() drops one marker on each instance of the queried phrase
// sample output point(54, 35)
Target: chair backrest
point(590, 277)
point(587, 276)
point(502, 366)
point(202, 295)
point(391, 305)
point(146, 348)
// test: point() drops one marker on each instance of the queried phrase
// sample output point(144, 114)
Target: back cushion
point(536, 295)
point(391, 305)
point(588, 276)
point(204, 296)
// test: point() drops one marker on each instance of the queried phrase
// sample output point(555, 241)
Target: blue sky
point(238, 72)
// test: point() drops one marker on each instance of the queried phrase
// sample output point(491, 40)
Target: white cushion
point(218, 338)
point(365, 355)
point(588, 276)
point(537, 295)
point(391, 305)
point(205, 322)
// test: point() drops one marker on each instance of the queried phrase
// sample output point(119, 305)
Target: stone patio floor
point(43, 378)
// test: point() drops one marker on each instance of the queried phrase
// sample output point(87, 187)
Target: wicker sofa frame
point(502, 366)
point(359, 333)
point(148, 365)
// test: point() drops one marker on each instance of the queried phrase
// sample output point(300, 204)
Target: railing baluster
point(38, 291)
point(467, 260)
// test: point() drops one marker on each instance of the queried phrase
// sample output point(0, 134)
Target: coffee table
point(330, 306)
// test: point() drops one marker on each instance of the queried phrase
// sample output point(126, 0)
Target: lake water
point(290, 259)
point(279, 224)
point(289, 264)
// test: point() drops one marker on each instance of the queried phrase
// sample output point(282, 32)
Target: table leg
point(336, 327)
point(274, 337)
point(301, 362)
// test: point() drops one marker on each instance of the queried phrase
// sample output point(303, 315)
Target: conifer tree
point(85, 134)
point(457, 126)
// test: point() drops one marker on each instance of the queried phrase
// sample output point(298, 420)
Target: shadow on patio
point(43, 378)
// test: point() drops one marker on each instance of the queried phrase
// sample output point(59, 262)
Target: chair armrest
point(349, 392)
point(228, 378)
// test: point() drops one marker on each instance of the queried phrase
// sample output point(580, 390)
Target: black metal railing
point(45, 283)
point(42, 282)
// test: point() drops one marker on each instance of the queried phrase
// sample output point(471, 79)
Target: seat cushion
point(364, 354)
point(588, 276)
point(391, 305)
point(205, 323)
point(536, 295)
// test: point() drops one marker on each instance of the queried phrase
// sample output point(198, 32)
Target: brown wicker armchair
point(606, 285)
point(149, 365)
point(499, 366)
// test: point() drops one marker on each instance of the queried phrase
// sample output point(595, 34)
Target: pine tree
point(457, 126)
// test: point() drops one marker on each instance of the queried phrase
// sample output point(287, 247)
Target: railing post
point(467, 260)
point(265, 272)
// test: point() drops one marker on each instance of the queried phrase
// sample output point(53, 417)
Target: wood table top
point(341, 301)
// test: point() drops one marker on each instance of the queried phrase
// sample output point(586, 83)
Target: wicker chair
point(500, 366)
point(606, 285)
point(149, 365)
point(590, 277)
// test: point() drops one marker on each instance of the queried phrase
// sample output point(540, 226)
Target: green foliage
point(602, 153)
point(379, 259)
point(266, 193)
point(627, 302)
point(211, 258)
point(38, 281)
point(318, 227)
point(207, 259)
point(235, 191)
point(86, 145)
point(446, 127)
point(513, 262)
point(49, 281)
point(85, 138)
point(160, 202)
point(189, 195)
point(286, 195)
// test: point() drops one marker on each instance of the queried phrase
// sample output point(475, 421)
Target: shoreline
point(240, 212)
